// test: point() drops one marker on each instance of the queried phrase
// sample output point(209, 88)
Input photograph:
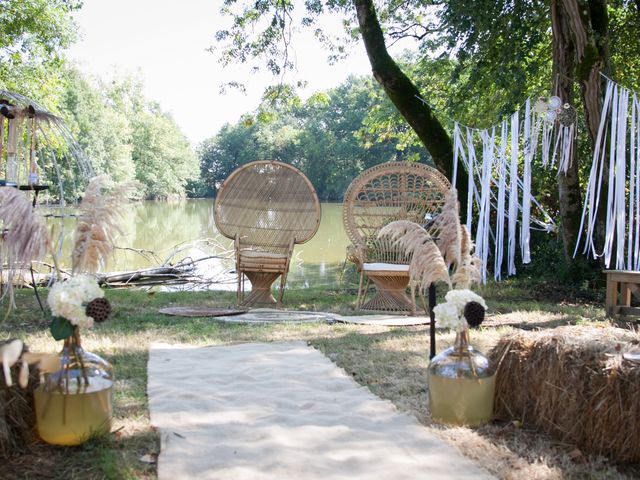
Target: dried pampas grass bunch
point(432, 260)
point(98, 223)
point(468, 271)
point(24, 237)
point(448, 231)
point(427, 265)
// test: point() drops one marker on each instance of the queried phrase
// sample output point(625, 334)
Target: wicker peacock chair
point(266, 207)
point(384, 193)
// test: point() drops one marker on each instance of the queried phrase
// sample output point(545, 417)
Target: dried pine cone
point(99, 309)
point(474, 313)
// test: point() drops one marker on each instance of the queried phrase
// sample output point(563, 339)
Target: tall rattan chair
point(384, 193)
point(266, 207)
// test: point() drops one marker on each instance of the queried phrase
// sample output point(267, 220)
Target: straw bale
point(17, 414)
point(577, 383)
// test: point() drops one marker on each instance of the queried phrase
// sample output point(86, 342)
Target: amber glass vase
point(461, 384)
point(76, 402)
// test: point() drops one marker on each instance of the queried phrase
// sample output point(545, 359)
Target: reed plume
point(447, 229)
point(98, 223)
point(468, 271)
point(24, 236)
point(427, 265)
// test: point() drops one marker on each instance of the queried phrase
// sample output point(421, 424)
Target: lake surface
point(160, 227)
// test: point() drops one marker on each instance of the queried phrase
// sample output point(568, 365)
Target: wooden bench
point(626, 283)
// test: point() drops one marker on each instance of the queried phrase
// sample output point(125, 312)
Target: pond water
point(160, 227)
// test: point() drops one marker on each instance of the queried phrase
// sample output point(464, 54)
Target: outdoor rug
point(200, 311)
point(283, 411)
point(388, 320)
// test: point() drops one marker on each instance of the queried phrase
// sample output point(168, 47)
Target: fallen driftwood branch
point(186, 271)
point(183, 272)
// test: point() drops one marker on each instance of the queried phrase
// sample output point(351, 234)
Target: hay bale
point(17, 414)
point(574, 383)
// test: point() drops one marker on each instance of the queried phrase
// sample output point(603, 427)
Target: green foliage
point(128, 136)
point(33, 35)
point(162, 155)
point(624, 25)
point(102, 132)
point(327, 137)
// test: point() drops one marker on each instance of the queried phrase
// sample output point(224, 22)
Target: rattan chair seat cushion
point(387, 267)
point(258, 254)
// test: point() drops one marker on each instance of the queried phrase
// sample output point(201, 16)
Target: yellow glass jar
point(77, 401)
point(461, 385)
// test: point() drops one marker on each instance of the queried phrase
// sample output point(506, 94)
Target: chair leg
point(413, 298)
point(363, 297)
point(360, 289)
point(283, 281)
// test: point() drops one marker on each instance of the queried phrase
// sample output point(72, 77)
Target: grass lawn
point(392, 362)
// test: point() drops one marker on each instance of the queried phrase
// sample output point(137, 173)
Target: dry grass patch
point(393, 365)
point(392, 362)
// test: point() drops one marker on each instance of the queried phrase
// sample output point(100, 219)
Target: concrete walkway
point(283, 411)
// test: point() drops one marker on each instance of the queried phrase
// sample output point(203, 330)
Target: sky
point(165, 42)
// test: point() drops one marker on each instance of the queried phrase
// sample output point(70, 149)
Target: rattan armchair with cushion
point(266, 207)
point(382, 194)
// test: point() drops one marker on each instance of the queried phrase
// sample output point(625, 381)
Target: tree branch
point(404, 94)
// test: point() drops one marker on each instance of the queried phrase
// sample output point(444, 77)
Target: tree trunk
point(406, 96)
point(589, 30)
point(569, 195)
point(588, 24)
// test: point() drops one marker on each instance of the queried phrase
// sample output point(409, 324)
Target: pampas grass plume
point(98, 223)
point(468, 271)
point(427, 265)
point(25, 237)
point(447, 229)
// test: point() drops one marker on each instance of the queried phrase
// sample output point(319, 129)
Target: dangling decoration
point(498, 186)
point(497, 182)
point(482, 236)
point(502, 185)
point(513, 195)
point(620, 117)
point(39, 158)
point(560, 119)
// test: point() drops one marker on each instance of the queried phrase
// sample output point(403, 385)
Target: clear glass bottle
point(76, 402)
point(461, 384)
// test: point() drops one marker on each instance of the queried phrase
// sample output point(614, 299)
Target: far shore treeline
point(331, 136)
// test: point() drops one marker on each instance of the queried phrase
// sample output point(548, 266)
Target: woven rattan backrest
point(267, 204)
point(391, 191)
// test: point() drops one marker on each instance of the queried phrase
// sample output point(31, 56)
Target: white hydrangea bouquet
point(76, 303)
point(459, 309)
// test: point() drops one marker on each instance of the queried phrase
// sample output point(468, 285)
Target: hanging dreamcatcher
point(558, 121)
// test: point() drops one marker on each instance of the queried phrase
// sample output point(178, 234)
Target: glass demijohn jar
point(75, 402)
point(461, 384)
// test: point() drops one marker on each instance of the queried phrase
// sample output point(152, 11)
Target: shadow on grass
point(394, 364)
point(108, 456)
